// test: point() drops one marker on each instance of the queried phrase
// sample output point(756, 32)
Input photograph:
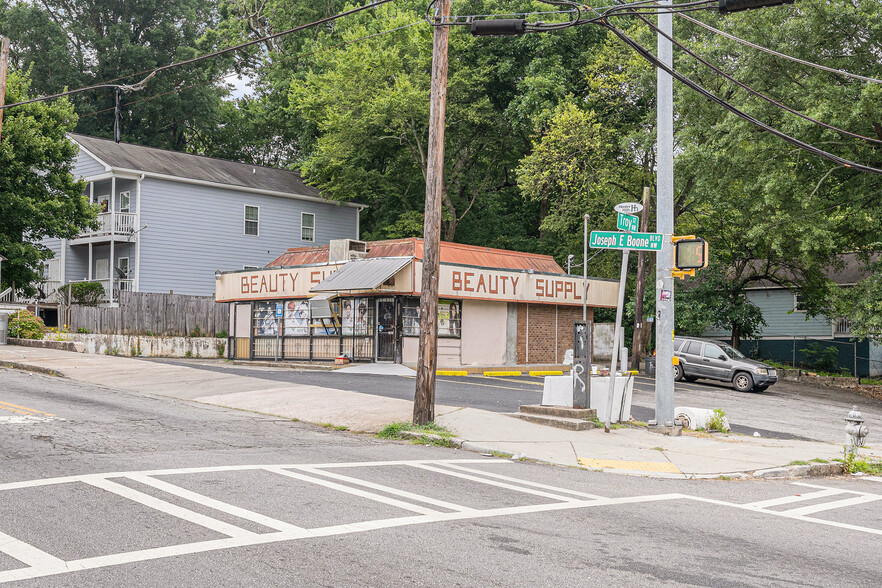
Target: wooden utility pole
point(424, 397)
point(640, 330)
point(4, 64)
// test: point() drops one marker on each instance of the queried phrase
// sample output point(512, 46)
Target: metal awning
point(320, 305)
point(362, 274)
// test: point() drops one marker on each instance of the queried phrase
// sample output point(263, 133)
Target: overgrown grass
point(600, 424)
point(718, 421)
point(819, 460)
point(871, 382)
point(798, 462)
point(428, 434)
point(855, 464)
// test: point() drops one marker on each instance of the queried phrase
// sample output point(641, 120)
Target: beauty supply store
point(368, 310)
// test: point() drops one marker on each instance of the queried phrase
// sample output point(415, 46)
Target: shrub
point(196, 332)
point(820, 357)
point(86, 293)
point(84, 331)
point(26, 325)
point(718, 421)
point(221, 335)
point(221, 347)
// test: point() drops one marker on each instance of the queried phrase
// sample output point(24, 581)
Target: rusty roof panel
point(457, 253)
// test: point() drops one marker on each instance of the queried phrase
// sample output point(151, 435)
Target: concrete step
point(559, 411)
point(555, 421)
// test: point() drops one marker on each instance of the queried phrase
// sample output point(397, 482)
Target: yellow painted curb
point(639, 466)
point(502, 373)
point(547, 373)
point(452, 373)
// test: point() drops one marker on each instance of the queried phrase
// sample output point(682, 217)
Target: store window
point(296, 318)
point(265, 323)
point(449, 317)
point(356, 316)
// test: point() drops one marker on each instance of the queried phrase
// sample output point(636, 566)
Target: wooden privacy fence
point(143, 313)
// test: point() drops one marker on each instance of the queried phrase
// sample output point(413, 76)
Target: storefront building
point(361, 300)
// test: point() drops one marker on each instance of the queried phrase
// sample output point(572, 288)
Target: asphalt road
point(784, 411)
point(104, 488)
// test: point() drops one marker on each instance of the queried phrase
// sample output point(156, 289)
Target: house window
point(125, 201)
point(798, 305)
point(307, 227)
point(252, 220)
point(123, 264)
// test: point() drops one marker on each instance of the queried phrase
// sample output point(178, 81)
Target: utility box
point(4, 326)
point(649, 366)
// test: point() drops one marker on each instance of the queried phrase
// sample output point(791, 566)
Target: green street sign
point(628, 222)
point(639, 241)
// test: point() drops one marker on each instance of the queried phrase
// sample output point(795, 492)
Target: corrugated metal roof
point(450, 253)
point(362, 274)
point(195, 167)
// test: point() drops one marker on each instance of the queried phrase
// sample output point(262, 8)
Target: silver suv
point(704, 358)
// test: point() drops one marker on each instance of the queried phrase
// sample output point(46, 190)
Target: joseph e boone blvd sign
point(614, 240)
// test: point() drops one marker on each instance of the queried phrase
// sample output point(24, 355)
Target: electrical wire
point(781, 55)
point(284, 60)
point(753, 91)
point(140, 85)
point(648, 56)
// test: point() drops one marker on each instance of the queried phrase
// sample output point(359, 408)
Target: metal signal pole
point(427, 362)
point(664, 261)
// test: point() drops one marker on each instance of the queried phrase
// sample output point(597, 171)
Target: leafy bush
point(85, 293)
point(196, 332)
point(26, 325)
point(221, 335)
point(820, 357)
point(84, 331)
point(718, 421)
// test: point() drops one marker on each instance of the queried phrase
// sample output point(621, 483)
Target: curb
point(451, 373)
point(815, 470)
point(30, 368)
point(546, 373)
point(486, 374)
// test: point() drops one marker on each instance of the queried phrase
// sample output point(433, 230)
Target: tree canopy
point(39, 196)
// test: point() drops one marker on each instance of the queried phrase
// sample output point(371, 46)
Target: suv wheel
point(743, 382)
point(678, 372)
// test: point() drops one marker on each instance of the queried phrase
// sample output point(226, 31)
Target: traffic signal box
point(690, 254)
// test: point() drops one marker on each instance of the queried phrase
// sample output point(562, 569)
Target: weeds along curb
point(416, 435)
point(30, 368)
point(816, 470)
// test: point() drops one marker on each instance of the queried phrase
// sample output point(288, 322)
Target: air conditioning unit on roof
point(346, 250)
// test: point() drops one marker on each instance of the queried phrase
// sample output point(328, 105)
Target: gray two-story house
point(169, 220)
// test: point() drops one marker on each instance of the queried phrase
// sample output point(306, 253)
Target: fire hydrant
point(856, 430)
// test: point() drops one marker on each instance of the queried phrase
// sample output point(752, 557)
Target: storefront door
point(386, 329)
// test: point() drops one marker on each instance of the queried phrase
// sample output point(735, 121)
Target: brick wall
point(549, 331)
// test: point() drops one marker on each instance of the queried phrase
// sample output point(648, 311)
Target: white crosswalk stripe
point(417, 509)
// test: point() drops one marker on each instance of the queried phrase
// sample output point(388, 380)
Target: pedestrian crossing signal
point(690, 253)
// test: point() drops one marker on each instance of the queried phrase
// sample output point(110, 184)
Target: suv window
point(712, 351)
point(692, 348)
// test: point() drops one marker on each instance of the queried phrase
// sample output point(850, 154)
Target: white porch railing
point(7, 296)
point(123, 224)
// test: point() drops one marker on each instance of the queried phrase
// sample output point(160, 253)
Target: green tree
point(39, 197)
point(74, 44)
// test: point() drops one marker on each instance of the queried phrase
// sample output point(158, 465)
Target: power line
point(753, 91)
point(781, 55)
point(284, 60)
point(647, 55)
point(153, 72)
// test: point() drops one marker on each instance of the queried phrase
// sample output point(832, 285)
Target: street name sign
point(627, 222)
point(613, 240)
point(628, 207)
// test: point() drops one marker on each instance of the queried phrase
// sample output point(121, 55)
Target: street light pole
point(664, 261)
point(585, 271)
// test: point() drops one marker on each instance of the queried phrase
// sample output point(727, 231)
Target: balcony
point(118, 226)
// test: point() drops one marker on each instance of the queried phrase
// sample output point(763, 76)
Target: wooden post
point(427, 362)
point(640, 330)
point(4, 64)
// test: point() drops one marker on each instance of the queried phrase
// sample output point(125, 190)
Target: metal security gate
point(386, 331)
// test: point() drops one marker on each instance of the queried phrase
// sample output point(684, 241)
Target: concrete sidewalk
point(625, 450)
